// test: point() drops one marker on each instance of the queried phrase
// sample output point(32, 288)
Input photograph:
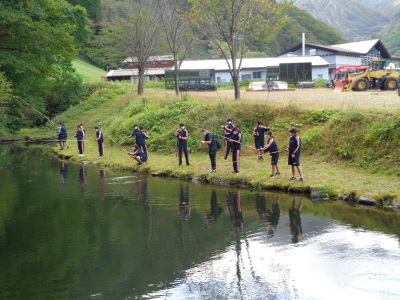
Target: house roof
point(134, 72)
point(355, 48)
point(251, 63)
point(151, 58)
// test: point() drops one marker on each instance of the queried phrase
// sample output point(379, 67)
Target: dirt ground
point(314, 98)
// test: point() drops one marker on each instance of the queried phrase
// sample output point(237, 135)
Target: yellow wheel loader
point(376, 77)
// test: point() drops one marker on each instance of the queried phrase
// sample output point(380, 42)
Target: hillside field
point(88, 72)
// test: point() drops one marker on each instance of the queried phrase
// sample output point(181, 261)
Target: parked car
point(197, 87)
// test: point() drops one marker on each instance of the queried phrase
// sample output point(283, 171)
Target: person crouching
point(138, 155)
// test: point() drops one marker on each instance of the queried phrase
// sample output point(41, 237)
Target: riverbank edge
point(382, 199)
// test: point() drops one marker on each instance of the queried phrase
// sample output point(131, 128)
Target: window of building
point(246, 76)
point(257, 75)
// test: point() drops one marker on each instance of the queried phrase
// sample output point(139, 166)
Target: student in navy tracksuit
point(138, 155)
point(228, 137)
point(140, 137)
point(100, 141)
point(80, 136)
point(62, 135)
point(182, 135)
point(294, 148)
point(272, 148)
point(236, 146)
point(209, 139)
point(258, 133)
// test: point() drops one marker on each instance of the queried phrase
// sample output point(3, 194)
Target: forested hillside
point(360, 19)
point(40, 40)
point(299, 21)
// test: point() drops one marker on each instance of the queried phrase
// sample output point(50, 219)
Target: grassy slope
point(116, 117)
point(87, 71)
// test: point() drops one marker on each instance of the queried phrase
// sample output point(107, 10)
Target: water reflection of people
point(274, 215)
point(295, 220)
point(82, 174)
point(142, 190)
point(261, 208)
point(234, 208)
point(215, 209)
point(64, 171)
point(184, 206)
point(102, 186)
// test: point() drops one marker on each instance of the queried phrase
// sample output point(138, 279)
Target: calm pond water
point(70, 231)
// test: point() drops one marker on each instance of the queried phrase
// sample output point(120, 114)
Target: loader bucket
point(339, 86)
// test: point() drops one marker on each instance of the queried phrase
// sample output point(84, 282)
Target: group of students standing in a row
point(233, 142)
point(80, 137)
point(232, 138)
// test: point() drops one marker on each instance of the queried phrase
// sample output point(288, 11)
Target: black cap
point(181, 124)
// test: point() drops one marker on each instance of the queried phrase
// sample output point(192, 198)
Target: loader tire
point(390, 84)
point(361, 84)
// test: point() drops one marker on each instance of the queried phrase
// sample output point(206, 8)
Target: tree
point(239, 24)
point(36, 37)
point(92, 7)
point(38, 34)
point(134, 32)
point(178, 34)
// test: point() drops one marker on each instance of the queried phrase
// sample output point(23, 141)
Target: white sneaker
point(80, 155)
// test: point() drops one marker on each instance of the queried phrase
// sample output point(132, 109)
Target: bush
point(320, 83)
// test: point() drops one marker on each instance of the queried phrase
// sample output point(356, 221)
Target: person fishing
point(182, 136)
point(228, 137)
point(209, 139)
point(294, 149)
point(138, 154)
point(140, 137)
point(62, 136)
point(80, 136)
point(272, 148)
point(258, 133)
point(236, 147)
point(100, 140)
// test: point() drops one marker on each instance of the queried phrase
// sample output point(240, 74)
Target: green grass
point(87, 71)
point(334, 178)
point(331, 158)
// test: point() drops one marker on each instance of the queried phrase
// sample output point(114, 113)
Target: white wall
point(320, 73)
point(317, 73)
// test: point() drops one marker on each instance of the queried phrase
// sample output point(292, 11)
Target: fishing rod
point(45, 141)
point(124, 150)
point(38, 111)
point(225, 137)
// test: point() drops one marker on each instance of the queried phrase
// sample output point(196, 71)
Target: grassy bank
point(344, 149)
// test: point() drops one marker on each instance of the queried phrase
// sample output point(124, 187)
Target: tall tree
point(37, 34)
point(177, 33)
point(36, 38)
point(92, 7)
point(239, 24)
point(134, 31)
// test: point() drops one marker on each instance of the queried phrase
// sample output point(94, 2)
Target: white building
point(348, 54)
point(255, 68)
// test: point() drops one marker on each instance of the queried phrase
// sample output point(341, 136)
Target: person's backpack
point(219, 146)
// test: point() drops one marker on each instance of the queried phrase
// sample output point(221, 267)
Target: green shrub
point(320, 83)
